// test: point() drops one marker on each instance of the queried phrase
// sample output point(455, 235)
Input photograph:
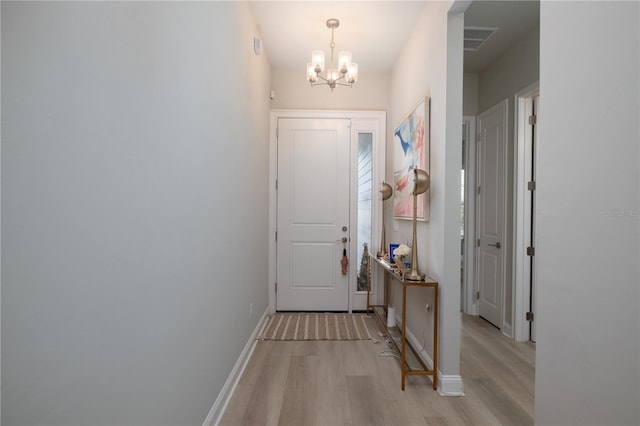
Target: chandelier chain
point(332, 45)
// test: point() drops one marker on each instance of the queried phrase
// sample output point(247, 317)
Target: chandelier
point(346, 72)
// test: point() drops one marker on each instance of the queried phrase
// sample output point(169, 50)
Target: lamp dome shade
point(386, 191)
point(421, 181)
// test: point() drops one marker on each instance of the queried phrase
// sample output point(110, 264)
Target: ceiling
point(514, 19)
point(376, 31)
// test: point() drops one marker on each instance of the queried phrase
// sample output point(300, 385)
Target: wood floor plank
point(499, 403)
point(332, 385)
point(365, 404)
point(300, 392)
point(471, 410)
point(265, 371)
point(443, 421)
point(350, 383)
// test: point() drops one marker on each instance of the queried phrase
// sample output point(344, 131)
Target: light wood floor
point(348, 383)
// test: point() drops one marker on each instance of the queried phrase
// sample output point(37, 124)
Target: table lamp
point(421, 183)
point(386, 191)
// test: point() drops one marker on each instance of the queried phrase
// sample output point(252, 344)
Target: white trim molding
point(522, 212)
point(450, 385)
point(364, 121)
point(220, 404)
point(470, 305)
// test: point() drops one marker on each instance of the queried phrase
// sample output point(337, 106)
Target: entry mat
point(316, 326)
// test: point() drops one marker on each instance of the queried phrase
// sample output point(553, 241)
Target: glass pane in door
point(365, 192)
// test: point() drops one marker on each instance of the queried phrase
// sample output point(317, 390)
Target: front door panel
point(313, 209)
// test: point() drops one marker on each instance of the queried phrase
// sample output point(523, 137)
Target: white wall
point(293, 91)
point(425, 69)
point(470, 95)
point(587, 355)
point(511, 72)
point(134, 208)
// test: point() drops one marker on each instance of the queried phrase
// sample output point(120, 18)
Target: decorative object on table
point(411, 151)
point(392, 247)
point(386, 191)
point(421, 183)
point(363, 275)
point(400, 255)
point(346, 73)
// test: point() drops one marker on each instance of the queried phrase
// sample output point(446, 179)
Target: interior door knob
point(496, 245)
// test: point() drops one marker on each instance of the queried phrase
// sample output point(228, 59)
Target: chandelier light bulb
point(332, 75)
point(317, 59)
point(344, 61)
point(312, 75)
point(352, 73)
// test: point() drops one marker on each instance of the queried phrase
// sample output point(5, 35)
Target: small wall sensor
point(257, 45)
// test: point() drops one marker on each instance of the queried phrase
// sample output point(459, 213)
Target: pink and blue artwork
point(411, 150)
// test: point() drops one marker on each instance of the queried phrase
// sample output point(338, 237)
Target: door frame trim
point(522, 213)
point(470, 303)
point(379, 154)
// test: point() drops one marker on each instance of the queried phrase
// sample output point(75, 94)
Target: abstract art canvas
point(410, 151)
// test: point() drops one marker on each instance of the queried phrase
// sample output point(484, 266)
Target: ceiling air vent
point(474, 37)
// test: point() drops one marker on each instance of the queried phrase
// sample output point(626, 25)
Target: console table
point(391, 273)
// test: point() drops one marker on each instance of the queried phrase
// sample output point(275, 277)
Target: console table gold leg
point(403, 337)
point(435, 338)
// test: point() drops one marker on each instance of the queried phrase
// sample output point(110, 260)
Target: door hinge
point(277, 132)
point(478, 242)
point(276, 184)
point(276, 236)
point(531, 251)
point(529, 316)
point(531, 185)
point(478, 190)
point(478, 295)
point(276, 287)
point(533, 119)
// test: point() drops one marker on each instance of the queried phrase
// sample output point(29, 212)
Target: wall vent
point(474, 37)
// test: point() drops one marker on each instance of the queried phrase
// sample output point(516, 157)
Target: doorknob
point(496, 245)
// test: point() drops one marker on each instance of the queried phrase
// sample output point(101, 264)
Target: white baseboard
point(220, 404)
point(507, 330)
point(448, 385)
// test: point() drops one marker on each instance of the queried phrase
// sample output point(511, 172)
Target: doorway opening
point(527, 103)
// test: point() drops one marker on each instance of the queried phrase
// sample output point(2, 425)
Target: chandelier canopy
point(346, 72)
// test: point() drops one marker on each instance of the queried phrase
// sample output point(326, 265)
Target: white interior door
point(491, 145)
point(313, 214)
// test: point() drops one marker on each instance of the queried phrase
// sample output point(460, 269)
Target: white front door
point(313, 214)
point(491, 145)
